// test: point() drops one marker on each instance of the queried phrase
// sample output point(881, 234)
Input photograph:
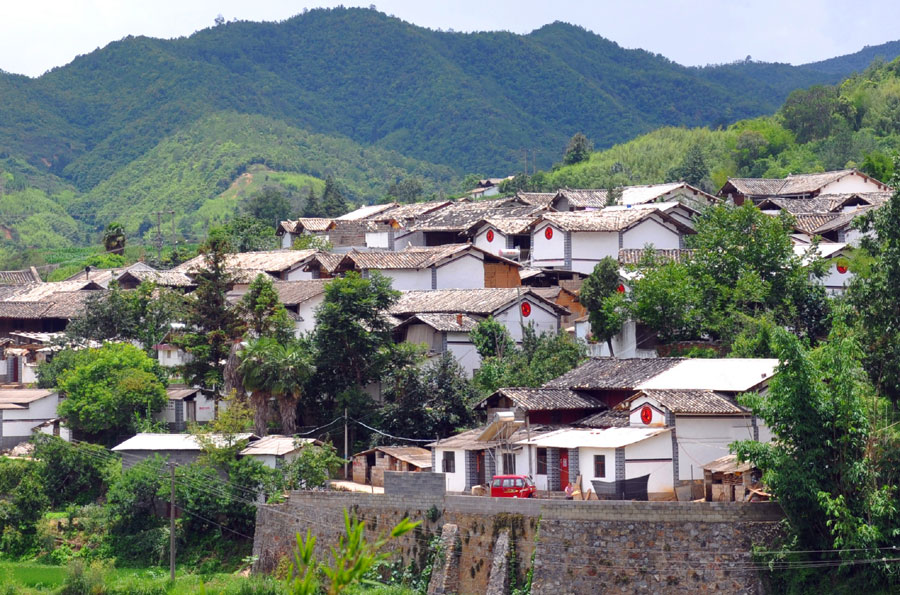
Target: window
point(542, 461)
point(519, 483)
point(599, 465)
point(449, 465)
point(509, 463)
point(497, 483)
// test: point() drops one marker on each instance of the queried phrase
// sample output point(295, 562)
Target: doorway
point(563, 468)
point(479, 468)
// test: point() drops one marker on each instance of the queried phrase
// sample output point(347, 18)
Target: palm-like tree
point(114, 238)
point(270, 368)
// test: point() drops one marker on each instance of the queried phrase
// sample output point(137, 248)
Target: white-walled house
point(275, 450)
point(442, 319)
point(845, 181)
point(577, 241)
point(22, 410)
point(300, 298)
point(837, 254)
point(452, 266)
point(286, 265)
point(186, 405)
point(289, 231)
point(509, 237)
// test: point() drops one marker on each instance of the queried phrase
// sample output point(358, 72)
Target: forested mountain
point(855, 124)
point(147, 124)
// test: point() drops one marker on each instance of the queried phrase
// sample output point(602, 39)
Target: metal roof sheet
point(20, 396)
point(148, 441)
point(727, 375)
point(276, 445)
point(366, 212)
point(180, 394)
point(595, 438)
point(414, 455)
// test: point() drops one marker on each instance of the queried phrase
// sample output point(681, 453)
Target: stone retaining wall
point(579, 547)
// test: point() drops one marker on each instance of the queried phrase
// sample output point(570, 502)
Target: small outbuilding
point(275, 450)
point(181, 449)
point(369, 466)
point(728, 480)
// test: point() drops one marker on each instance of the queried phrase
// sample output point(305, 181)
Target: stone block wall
point(579, 547)
point(415, 484)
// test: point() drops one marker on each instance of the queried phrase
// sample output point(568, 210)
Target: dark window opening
point(542, 461)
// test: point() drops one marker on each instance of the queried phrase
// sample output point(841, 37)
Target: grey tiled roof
point(468, 301)
point(693, 401)
point(612, 418)
point(23, 277)
point(613, 373)
point(445, 322)
point(584, 198)
point(461, 216)
point(548, 399)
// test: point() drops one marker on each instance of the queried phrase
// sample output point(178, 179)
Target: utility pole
point(346, 446)
point(172, 524)
point(159, 239)
point(174, 241)
point(525, 151)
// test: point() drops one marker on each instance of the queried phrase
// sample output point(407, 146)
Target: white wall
point(705, 439)
point(456, 481)
point(848, 184)
point(406, 279)
point(378, 239)
point(170, 358)
point(647, 457)
point(624, 343)
point(834, 281)
point(307, 311)
point(299, 274)
point(462, 349)
point(650, 231)
point(586, 466)
point(590, 247)
point(287, 240)
point(494, 247)
point(550, 252)
point(21, 422)
point(466, 272)
point(543, 319)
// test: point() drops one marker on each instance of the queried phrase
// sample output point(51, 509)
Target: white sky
point(36, 35)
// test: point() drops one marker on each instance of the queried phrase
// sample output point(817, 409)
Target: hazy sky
point(36, 35)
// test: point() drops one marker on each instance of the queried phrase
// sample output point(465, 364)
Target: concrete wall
point(849, 184)
point(548, 253)
point(16, 425)
point(650, 232)
point(590, 247)
point(307, 311)
point(480, 240)
point(543, 319)
point(466, 272)
point(579, 547)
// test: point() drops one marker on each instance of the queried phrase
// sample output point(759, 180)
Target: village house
point(103, 277)
point(289, 231)
point(180, 449)
point(275, 451)
point(577, 241)
point(670, 416)
point(397, 220)
point(568, 199)
point(488, 187)
point(845, 181)
point(130, 279)
point(300, 299)
point(286, 265)
point(837, 256)
point(442, 319)
point(369, 465)
point(186, 405)
point(29, 276)
point(22, 410)
point(42, 307)
point(453, 266)
point(509, 237)
point(453, 223)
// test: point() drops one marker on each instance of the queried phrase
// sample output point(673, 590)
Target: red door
point(563, 468)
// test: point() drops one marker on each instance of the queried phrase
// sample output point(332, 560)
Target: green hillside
point(855, 124)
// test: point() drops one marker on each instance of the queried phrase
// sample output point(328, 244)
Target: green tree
point(72, 473)
point(406, 190)
point(114, 238)
point(692, 169)
point(352, 337)
point(578, 150)
point(874, 294)
point(109, 388)
point(308, 241)
point(878, 165)
point(144, 314)
point(491, 339)
point(134, 528)
point(212, 324)
point(667, 299)
point(269, 205)
point(263, 312)
point(820, 466)
point(334, 204)
point(808, 112)
point(312, 467)
point(605, 305)
point(312, 208)
point(246, 233)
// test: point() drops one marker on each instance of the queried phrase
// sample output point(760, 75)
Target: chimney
point(87, 272)
point(459, 319)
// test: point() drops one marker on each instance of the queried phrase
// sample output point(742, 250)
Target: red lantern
point(526, 309)
point(620, 288)
point(841, 268)
point(646, 415)
point(490, 235)
point(548, 233)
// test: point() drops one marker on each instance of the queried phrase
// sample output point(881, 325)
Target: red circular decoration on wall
point(548, 233)
point(526, 309)
point(842, 268)
point(620, 288)
point(490, 235)
point(646, 415)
